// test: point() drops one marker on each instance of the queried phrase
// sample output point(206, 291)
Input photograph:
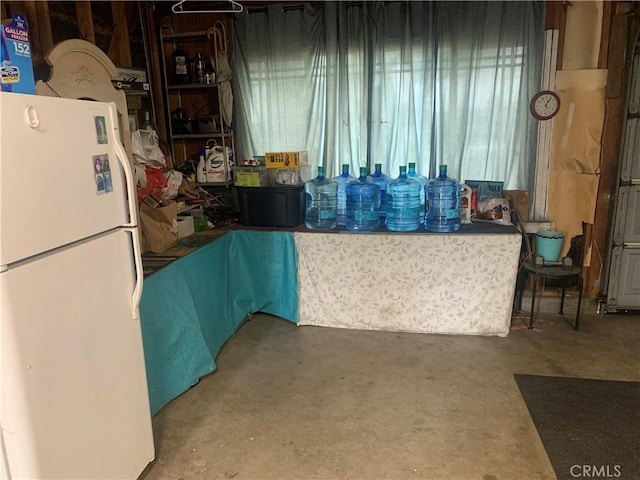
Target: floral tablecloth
point(427, 283)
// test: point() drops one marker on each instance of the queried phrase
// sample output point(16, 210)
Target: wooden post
point(150, 32)
point(43, 17)
point(122, 54)
point(85, 21)
point(622, 32)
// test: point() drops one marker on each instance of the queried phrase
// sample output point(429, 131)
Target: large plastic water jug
point(381, 179)
point(321, 202)
point(403, 203)
point(363, 204)
point(342, 181)
point(443, 203)
point(412, 173)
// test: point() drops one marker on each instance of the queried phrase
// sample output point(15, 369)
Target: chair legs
point(575, 325)
point(533, 300)
point(580, 286)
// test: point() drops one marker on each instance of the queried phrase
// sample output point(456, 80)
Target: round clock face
point(544, 105)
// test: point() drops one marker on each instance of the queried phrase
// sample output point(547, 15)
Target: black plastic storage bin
point(272, 206)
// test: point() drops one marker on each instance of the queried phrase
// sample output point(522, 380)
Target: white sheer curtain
point(391, 83)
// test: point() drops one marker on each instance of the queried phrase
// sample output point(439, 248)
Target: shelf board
point(188, 136)
point(192, 86)
point(202, 33)
point(215, 184)
point(190, 207)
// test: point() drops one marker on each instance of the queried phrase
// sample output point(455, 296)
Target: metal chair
point(564, 275)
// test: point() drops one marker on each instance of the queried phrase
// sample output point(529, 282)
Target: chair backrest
point(525, 252)
point(576, 250)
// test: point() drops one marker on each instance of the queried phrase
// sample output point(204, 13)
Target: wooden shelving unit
point(195, 102)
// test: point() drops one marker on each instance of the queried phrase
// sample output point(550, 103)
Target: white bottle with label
point(217, 171)
point(465, 204)
point(201, 173)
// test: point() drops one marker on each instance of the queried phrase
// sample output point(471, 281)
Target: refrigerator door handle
point(121, 154)
point(137, 256)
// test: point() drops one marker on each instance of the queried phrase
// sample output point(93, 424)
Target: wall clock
point(544, 105)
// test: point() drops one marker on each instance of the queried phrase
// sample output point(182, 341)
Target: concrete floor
point(292, 402)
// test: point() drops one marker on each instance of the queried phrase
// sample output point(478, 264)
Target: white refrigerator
point(73, 389)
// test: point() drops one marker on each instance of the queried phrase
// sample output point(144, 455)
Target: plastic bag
point(145, 147)
point(494, 209)
point(154, 183)
point(172, 182)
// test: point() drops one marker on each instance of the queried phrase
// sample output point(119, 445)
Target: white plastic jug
point(465, 203)
point(217, 170)
point(201, 171)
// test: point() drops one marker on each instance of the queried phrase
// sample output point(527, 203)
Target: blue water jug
point(363, 204)
point(342, 181)
point(382, 180)
point(321, 202)
point(403, 203)
point(412, 173)
point(443, 203)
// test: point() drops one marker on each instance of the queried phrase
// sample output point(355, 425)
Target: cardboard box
point(285, 159)
point(486, 189)
point(519, 201)
point(130, 86)
point(16, 68)
point(131, 75)
point(185, 226)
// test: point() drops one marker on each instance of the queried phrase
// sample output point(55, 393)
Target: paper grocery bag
point(159, 226)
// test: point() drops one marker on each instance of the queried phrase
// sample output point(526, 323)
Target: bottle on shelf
point(411, 173)
point(403, 203)
point(321, 202)
point(465, 203)
point(209, 75)
point(200, 69)
point(363, 204)
point(201, 173)
point(383, 180)
point(148, 123)
point(443, 203)
point(181, 64)
point(342, 180)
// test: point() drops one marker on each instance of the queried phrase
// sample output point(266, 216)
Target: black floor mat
point(589, 428)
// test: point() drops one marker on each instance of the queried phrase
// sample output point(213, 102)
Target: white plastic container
point(465, 203)
point(217, 164)
point(201, 173)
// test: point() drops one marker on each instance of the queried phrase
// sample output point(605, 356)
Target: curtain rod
point(299, 6)
point(235, 8)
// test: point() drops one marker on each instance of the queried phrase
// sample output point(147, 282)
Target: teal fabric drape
point(190, 308)
point(393, 82)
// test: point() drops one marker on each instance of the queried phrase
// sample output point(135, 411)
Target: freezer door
point(626, 227)
point(623, 292)
point(630, 166)
point(74, 392)
point(60, 180)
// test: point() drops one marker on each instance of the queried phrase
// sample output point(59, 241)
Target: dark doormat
point(589, 428)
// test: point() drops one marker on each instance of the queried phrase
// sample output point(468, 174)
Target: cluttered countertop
point(262, 203)
point(152, 262)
